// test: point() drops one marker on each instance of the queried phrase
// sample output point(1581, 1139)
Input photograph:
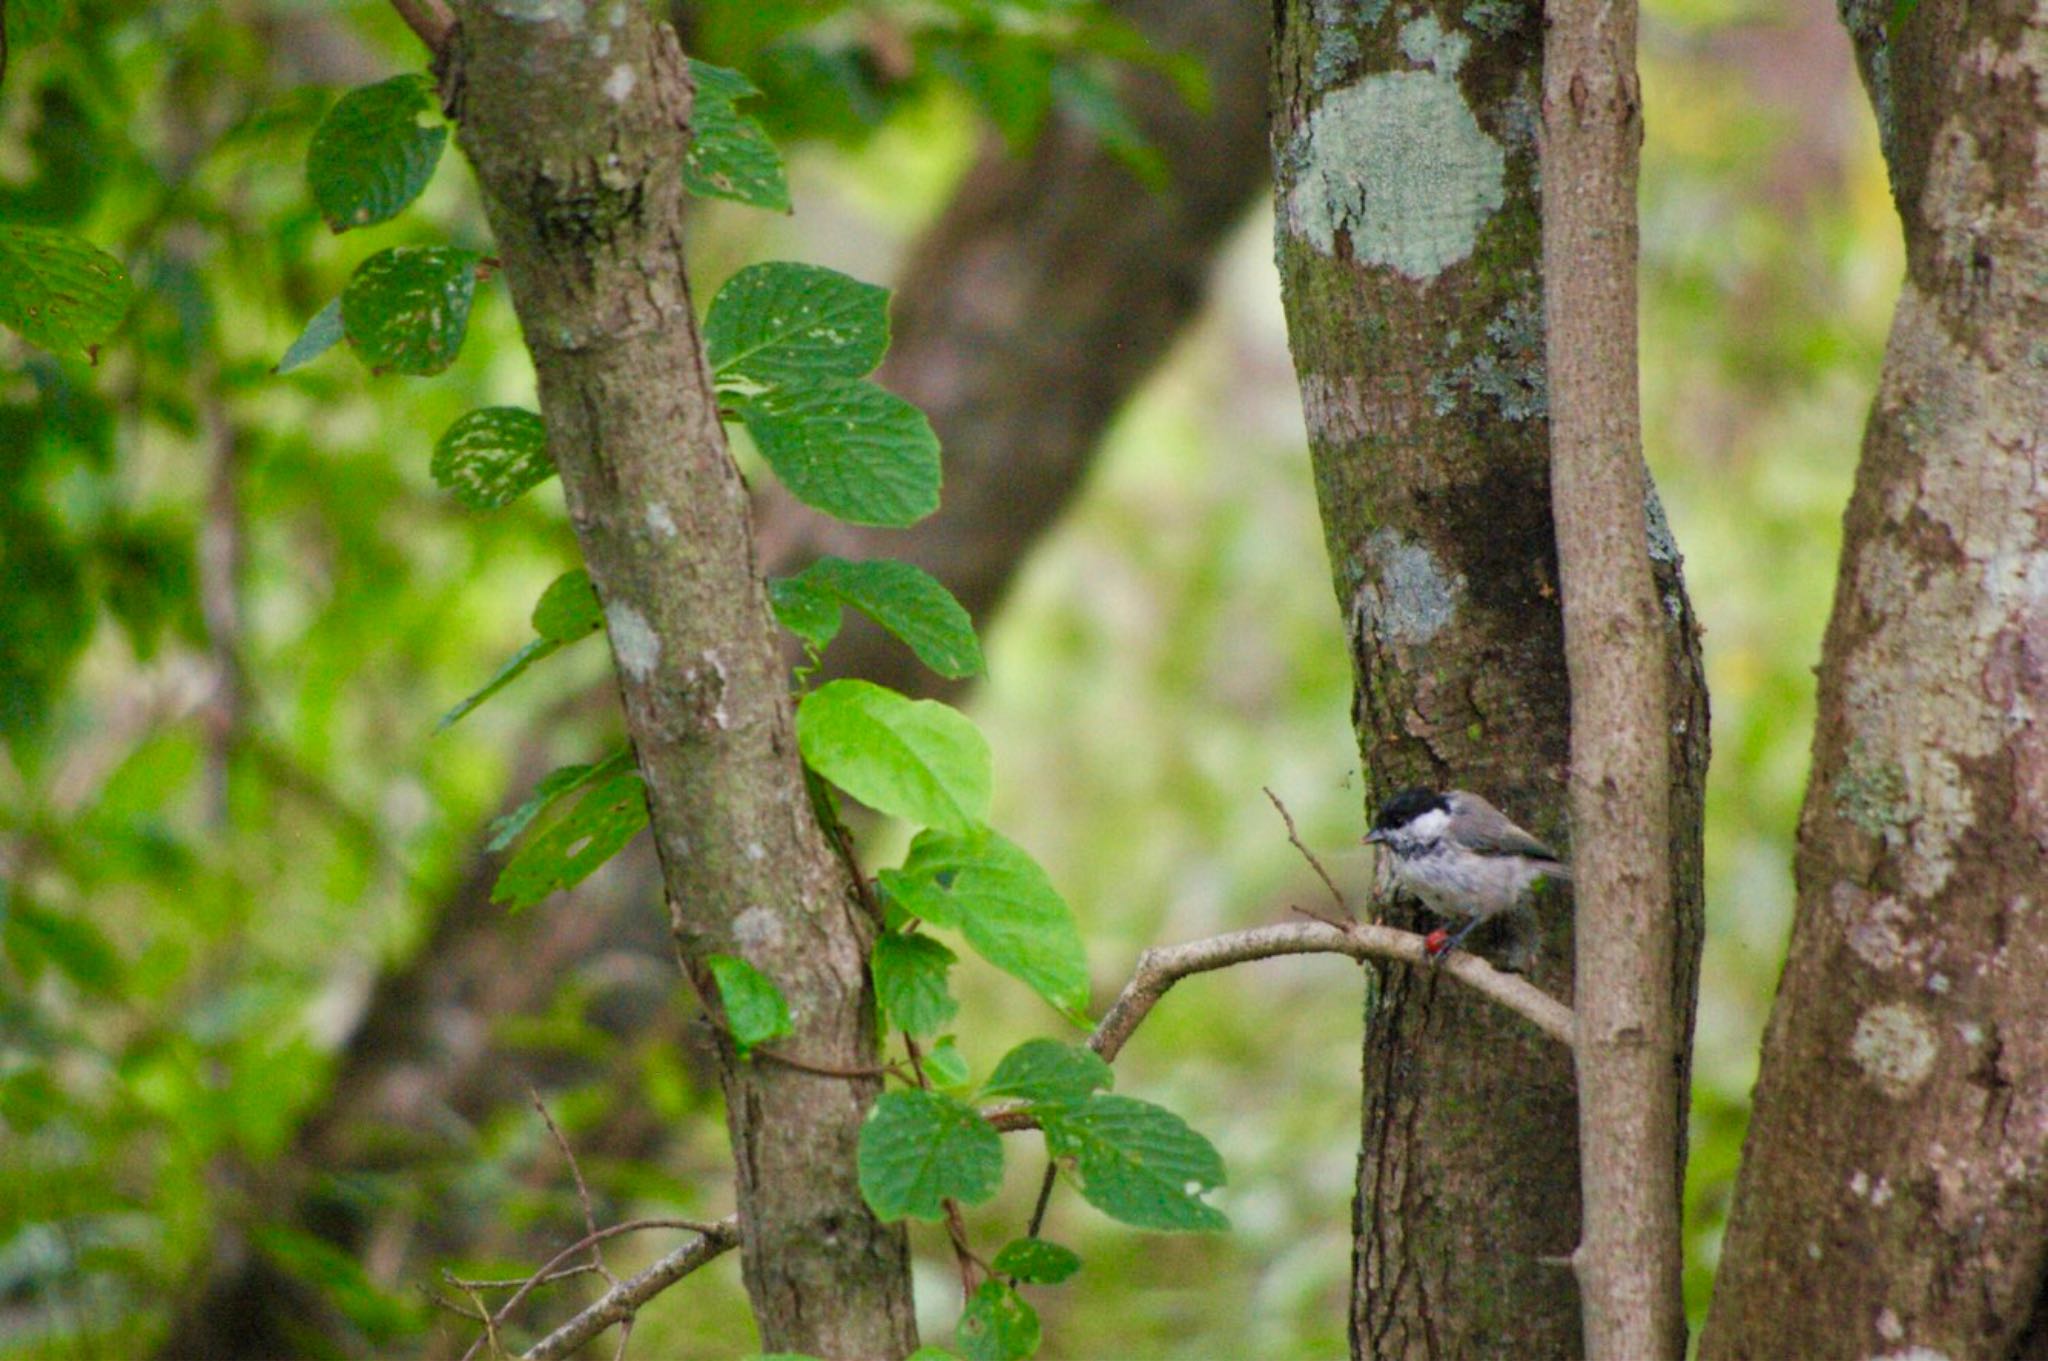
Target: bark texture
point(1408, 241)
point(1893, 1199)
point(1625, 1051)
point(575, 121)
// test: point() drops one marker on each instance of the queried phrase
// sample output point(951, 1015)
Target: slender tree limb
point(430, 20)
point(622, 1301)
point(1627, 1051)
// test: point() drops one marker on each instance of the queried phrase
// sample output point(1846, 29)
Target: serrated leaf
point(731, 155)
point(60, 291)
point(997, 1325)
point(370, 156)
point(1049, 1072)
point(555, 786)
point(900, 597)
point(322, 334)
point(754, 1010)
point(1137, 1162)
point(407, 308)
point(995, 894)
point(567, 611)
point(570, 851)
point(919, 760)
point(919, 1148)
point(1037, 1261)
point(910, 982)
point(945, 1065)
point(781, 324)
point(848, 448)
point(493, 456)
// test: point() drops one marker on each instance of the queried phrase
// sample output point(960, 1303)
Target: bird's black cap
point(1407, 806)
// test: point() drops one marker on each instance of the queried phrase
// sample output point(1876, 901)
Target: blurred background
point(234, 604)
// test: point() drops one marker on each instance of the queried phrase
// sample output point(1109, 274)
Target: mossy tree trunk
point(1409, 247)
point(1893, 1199)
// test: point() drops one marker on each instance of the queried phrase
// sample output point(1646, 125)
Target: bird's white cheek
point(1429, 826)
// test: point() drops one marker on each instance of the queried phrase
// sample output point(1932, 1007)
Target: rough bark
point(575, 143)
point(1893, 1198)
point(1408, 244)
point(1628, 1256)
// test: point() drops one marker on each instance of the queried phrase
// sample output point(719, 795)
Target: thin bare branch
point(619, 1304)
point(582, 1188)
point(1336, 895)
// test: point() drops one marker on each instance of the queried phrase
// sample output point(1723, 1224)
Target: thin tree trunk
point(577, 167)
point(1893, 1198)
point(1409, 248)
point(1625, 1048)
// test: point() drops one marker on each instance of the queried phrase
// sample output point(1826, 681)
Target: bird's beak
point(1375, 837)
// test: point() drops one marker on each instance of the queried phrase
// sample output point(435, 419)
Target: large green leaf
point(920, 1148)
point(902, 598)
point(851, 449)
point(407, 308)
point(493, 456)
point(910, 982)
point(918, 760)
point(1037, 1261)
point(754, 1010)
point(59, 291)
point(570, 851)
point(322, 334)
point(567, 611)
point(785, 325)
point(370, 156)
point(1047, 1071)
point(1002, 902)
point(1137, 1162)
point(997, 1325)
point(731, 155)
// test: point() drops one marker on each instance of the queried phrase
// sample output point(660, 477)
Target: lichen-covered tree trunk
point(576, 119)
point(1893, 1199)
point(1409, 248)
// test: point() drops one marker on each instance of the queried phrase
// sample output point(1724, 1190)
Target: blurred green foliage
point(233, 604)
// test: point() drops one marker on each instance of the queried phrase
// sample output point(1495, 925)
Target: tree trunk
point(1409, 251)
point(1893, 1198)
point(575, 144)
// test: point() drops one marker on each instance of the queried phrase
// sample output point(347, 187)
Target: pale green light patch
point(1399, 168)
point(566, 12)
point(1425, 42)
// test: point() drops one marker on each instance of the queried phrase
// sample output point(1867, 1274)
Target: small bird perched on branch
point(1463, 858)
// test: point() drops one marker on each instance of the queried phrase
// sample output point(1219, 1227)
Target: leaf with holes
point(407, 308)
point(920, 1148)
point(995, 894)
point(910, 982)
point(322, 334)
point(493, 456)
point(60, 291)
point(731, 155)
point(903, 599)
point(370, 155)
point(754, 1010)
point(848, 448)
point(1137, 1162)
point(555, 786)
point(918, 760)
point(997, 1325)
point(570, 851)
point(1037, 1261)
point(785, 325)
point(567, 611)
point(1046, 1071)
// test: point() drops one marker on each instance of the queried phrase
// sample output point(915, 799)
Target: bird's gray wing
point(1487, 830)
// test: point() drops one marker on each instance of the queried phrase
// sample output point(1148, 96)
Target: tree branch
point(619, 1304)
point(429, 19)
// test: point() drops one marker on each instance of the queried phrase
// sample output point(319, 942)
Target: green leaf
point(555, 786)
point(931, 1353)
point(997, 1325)
point(566, 854)
point(79, 949)
point(915, 759)
point(567, 611)
point(754, 1009)
point(407, 308)
point(370, 156)
point(322, 334)
point(848, 448)
point(493, 456)
point(1137, 1162)
point(945, 1065)
point(731, 155)
point(1037, 1261)
point(1002, 902)
point(1051, 1072)
point(1902, 10)
point(919, 1148)
point(59, 291)
point(910, 982)
point(786, 325)
point(902, 598)
point(340, 1278)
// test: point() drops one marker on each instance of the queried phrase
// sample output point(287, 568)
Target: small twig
point(956, 1224)
point(582, 1188)
point(430, 19)
point(1309, 855)
point(463, 1283)
point(1052, 1172)
point(619, 1304)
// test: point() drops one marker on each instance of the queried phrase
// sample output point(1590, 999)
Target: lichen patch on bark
point(1895, 1047)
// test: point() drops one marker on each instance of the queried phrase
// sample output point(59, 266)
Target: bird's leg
point(1439, 943)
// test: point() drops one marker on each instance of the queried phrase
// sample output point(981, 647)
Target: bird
point(1463, 858)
